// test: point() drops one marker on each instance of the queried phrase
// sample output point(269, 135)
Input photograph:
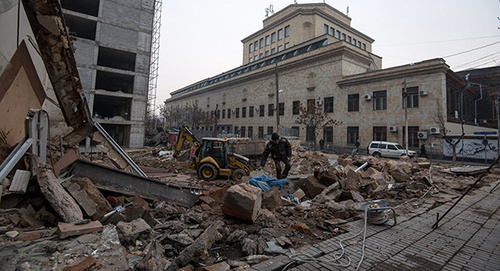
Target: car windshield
point(399, 147)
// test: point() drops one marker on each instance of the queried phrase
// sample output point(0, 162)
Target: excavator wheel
point(208, 172)
point(238, 175)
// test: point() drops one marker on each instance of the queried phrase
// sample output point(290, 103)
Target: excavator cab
point(215, 148)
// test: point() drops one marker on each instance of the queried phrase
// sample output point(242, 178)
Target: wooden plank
point(20, 181)
point(70, 229)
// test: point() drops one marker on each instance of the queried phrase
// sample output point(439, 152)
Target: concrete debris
point(88, 197)
point(129, 232)
point(74, 229)
point(81, 266)
point(243, 201)
point(53, 191)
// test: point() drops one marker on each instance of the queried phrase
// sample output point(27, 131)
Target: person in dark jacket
point(281, 151)
point(423, 152)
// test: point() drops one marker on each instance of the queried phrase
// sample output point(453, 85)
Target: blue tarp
point(265, 183)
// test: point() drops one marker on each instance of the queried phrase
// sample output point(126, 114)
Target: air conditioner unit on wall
point(368, 97)
point(422, 135)
point(393, 129)
point(423, 92)
point(319, 102)
point(435, 130)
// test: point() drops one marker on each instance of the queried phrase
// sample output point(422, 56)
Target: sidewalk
point(467, 238)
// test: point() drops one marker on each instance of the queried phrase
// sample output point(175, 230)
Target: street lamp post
point(277, 100)
point(405, 99)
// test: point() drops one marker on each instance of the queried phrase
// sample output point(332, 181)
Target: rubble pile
point(61, 221)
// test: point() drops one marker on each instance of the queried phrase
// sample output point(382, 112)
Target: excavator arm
point(194, 144)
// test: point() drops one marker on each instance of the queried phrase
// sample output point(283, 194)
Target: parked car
point(388, 149)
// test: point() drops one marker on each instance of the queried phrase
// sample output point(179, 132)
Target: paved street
point(468, 238)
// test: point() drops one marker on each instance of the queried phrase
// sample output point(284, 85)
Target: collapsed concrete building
point(308, 54)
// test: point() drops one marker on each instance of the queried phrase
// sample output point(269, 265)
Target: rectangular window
point(270, 130)
point(281, 109)
point(287, 45)
point(223, 113)
point(273, 51)
point(261, 111)
point(328, 134)
point(273, 37)
point(270, 111)
point(354, 41)
point(343, 36)
point(353, 102)
point(379, 133)
point(261, 42)
point(310, 135)
point(250, 60)
point(280, 48)
point(332, 31)
point(250, 131)
point(251, 48)
point(328, 106)
point(411, 97)
point(250, 111)
point(236, 130)
point(267, 40)
point(280, 34)
point(413, 141)
point(267, 53)
point(229, 113)
point(338, 34)
point(296, 131)
point(261, 131)
point(310, 105)
point(261, 55)
point(349, 39)
point(287, 31)
point(325, 29)
point(242, 132)
point(256, 45)
point(295, 107)
point(243, 112)
point(364, 46)
point(237, 115)
point(359, 44)
point(352, 134)
point(380, 100)
point(255, 58)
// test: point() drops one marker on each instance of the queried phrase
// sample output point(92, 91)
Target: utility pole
point(497, 106)
point(405, 99)
point(277, 100)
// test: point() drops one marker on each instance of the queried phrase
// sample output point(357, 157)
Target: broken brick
point(81, 266)
point(71, 229)
point(243, 201)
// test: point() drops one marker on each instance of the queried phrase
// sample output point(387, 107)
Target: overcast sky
point(202, 38)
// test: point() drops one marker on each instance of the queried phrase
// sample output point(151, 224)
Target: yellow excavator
point(211, 157)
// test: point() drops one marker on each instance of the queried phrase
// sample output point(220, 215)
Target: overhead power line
point(477, 48)
point(437, 41)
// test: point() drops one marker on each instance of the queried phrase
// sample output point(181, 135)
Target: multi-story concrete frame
point(113, 55)
point(343, 79)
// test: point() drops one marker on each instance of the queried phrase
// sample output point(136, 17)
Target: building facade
point(329, 64)
point(113, 48)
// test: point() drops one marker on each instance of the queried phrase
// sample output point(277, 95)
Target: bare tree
point(189, 114)
point(315, 118)
point(440, 120)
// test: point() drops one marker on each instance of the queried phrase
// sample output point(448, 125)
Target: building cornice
point(424, 67)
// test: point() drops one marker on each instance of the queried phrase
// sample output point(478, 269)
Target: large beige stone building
point(309, 53)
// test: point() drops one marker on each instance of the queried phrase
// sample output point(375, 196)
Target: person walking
point(423, 152)
point(321, 144)
point(281, 151)
point(357, 145)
